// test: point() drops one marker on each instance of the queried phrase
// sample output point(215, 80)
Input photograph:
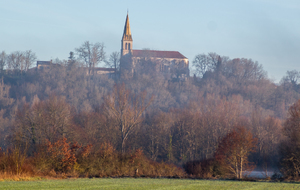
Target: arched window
point(129, 46)
point(126, 46)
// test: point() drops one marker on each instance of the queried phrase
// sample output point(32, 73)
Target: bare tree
point(291, 80)
point(19, 60)
point(29, 59)
point(289, 149)
point(114, 61)
point(204, 63)
point(244, 70)
point(15, 61)
point(125, 109)
point(3, 60)
point(293, 76)
point(234, 149)
point(49, 119)
point(92, 54)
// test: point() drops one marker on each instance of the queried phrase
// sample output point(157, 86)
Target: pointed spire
point(127, 32)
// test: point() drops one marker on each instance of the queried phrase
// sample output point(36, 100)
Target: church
point(171, 64)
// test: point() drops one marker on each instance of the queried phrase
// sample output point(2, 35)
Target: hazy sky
point(267, 31)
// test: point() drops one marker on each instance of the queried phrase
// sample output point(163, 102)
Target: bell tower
point(126, 42)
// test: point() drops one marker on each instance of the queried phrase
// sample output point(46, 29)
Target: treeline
point(170, 121)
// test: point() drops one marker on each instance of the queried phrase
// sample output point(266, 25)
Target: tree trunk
point(123, 146)
point(241, 169)
point(236, 169)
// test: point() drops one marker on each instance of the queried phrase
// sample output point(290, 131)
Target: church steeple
point(127, 32)
point(126, 45)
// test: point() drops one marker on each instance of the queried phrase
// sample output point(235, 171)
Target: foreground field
point(143, 183)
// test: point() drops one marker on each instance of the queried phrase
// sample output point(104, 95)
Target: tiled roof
point(157, 54)
point(44, 62)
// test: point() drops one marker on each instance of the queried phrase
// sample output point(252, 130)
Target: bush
point(62, 159)
point(107, 162)
point(203, 168)
point(15, 162)
point(233, 151)
point(290, 147)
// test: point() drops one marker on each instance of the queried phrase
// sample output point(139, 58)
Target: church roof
point(157, 54)
point(127, 32)
point(44, 62)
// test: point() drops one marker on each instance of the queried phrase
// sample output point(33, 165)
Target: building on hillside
point(172, 64)
point(104, 71)
point(43, 65)
point(109, 72)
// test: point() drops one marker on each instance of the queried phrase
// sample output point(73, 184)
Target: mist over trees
point(172, 121)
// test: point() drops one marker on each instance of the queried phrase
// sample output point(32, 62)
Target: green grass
point(143, 183)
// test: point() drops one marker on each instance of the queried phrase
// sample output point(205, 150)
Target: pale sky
point(267, 31)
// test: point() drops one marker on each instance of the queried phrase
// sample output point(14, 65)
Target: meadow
point(143, 183)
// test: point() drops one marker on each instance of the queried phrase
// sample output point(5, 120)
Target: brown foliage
point(62, 155)
point(108, 162)
point(14, 161)
point(234, 149)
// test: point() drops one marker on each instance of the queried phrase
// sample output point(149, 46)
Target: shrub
point(233, 151)
point(108, 162)
point(203, 168)
point(290, 147)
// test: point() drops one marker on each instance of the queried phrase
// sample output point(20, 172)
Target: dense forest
point(167, 120)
